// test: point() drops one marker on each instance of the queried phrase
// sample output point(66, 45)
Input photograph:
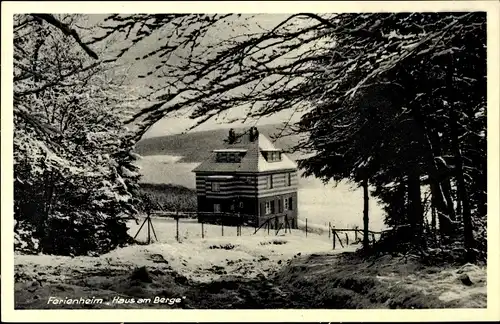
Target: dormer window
point(229, 155)
point(272, 156)
point(228, 158)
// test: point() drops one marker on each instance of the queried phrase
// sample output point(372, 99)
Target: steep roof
point(252, 161)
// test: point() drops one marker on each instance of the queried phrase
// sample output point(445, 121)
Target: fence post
point(238, 225)
point(149, 234)
point(222, 228)
point(329, 229)
point(333, 235)
point(268, 226)
point(177, 228)
point(347, 239)
point(340, 241)
point(373, 238)
point(356, 234)
point(306, 227)
point(153, 229)
point(202, 231)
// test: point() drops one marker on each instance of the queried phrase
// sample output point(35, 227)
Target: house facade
point(250, 180)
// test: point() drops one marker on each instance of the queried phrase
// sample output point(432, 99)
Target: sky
point(181, 122)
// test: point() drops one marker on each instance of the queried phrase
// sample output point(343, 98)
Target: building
point(247, 179)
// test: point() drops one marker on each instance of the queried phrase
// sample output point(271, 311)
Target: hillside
point(196, 146)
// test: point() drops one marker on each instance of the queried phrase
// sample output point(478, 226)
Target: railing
point(245, 218)
point(357, 231)
point(278, 225)
point(174, 214)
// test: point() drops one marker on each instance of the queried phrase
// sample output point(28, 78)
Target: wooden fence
point(276, 223)
point(358, 235)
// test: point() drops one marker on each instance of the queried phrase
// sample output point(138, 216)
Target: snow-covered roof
point(252, 161)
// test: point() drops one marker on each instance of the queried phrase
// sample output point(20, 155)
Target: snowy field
point(297, 260)
point(190, 230)
point(197, 255)
point(197, 258)
point(342, 206)
point(299, 263)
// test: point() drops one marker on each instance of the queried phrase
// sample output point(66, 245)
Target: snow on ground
point(248, 254)
point(386, 282)
point(200, 259)
point(190, 229)
point(447, 285)
point(312, 269)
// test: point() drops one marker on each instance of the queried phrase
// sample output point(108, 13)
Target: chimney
point(254, 133)
point(232, 136)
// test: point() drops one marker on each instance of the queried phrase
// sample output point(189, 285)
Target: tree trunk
point(459, 173)
point(433, 219)
point(463, 197)
point(366, 240)
point(430, 138)
point(45, 212)
point(445, 184)
point(459, 207)
point(415, 205)
point(441, 191)
point(433, 224)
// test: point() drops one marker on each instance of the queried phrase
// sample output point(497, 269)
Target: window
point(268, 207)
point(279, 206)
point(290, 204)
point(228, 157)
point(272, 207)
point(269, 182)
point(234, 158)
point(215, 186)
point(288, 179)
point(221, 157)
point(241, 204)
point(246, 179)
point(216, 208)
point(285, 204)
point(272, 156)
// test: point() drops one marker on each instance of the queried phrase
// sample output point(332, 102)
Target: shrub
point(227, 246)
point(167, 197)
point(274, 242)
